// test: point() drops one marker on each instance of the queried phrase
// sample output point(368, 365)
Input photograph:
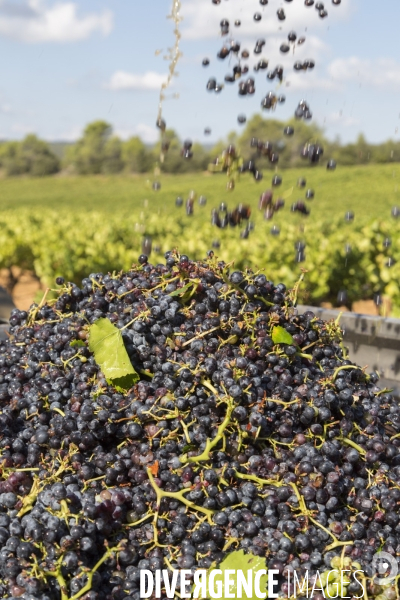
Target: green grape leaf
point(238, 561)
point(181, 291)
point(188, 447)
point(187, 291)
point(281, 336)
point(77, 344)
point(106, 343)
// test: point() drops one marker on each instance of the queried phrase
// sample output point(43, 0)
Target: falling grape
point(378, 299)
point(301, 182)
point(146, 245)
point(331, 166)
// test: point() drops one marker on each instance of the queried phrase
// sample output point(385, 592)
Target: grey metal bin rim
point(373, 341)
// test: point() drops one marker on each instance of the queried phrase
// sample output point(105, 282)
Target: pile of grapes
point(247, 429)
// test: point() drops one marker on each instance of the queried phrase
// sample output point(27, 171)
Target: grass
point(369, 191)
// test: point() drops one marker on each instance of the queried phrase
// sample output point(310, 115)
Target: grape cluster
point(266, 149)
point(304, 66)
point(271, 99)
point(186, 151)
point(249, 429)
point(221, 218)
point(312, 152)
point(303, 111)
point(266, 203)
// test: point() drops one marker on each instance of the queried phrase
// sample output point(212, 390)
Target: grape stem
point(88, 586)
point(335, 373)
point(177, 496)
point(294, 292)
point(210, 444)
point(354, 445)
point(302, 506)
point(198, 337)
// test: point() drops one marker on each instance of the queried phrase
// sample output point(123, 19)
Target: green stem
point(88, 586)
point(140, 521)
point(201, 335)
point(145, 313)
point(209, 386)
point(210, 444)
point(177, 496)
point(344, 367)
point(295, 290)
point(354, 445)
point(61, 581)
point(266, 302)
point(28, 502)
point(259, 480)
point(303, 355)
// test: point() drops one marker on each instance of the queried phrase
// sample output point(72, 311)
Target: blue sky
point(65, 63)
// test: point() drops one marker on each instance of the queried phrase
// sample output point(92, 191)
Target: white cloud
point(148, 134)
point(338, 118)
point(121, 80)
point(6, 108)
point(377, 73)
point(36, 21)
point(303, 81)
point(201, 19)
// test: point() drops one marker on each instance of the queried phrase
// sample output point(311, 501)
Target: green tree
point(136, 156)
point(31, 156)
point(113, 162)
point(11, 160)
point(88, 155)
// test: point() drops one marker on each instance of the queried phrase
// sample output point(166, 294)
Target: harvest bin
point(372, 341)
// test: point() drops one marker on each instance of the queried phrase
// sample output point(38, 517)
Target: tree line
point(100, 151)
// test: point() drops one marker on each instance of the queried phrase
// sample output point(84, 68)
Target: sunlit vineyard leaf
point(281, 336)
point(106, 343)
point(239, 561)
